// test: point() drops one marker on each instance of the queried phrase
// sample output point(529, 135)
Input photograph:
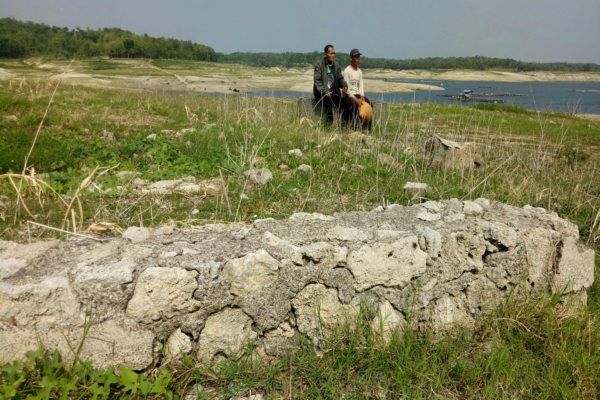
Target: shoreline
point(486, 75)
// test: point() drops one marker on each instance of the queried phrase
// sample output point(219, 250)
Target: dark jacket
point(320, 79)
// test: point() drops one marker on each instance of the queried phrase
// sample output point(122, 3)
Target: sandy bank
point(495, 76)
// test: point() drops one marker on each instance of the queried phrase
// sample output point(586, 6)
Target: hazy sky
point(536, 30)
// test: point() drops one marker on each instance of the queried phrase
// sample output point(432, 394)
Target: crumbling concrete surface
point(210, 290)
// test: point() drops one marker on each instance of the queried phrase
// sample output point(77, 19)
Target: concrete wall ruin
point(209, 290)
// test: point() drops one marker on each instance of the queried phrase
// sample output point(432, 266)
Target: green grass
point(536, 351)
point(547, 160)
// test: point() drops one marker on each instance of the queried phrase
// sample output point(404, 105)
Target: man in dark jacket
point(328, 84)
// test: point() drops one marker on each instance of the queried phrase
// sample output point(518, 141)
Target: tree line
point(25, 39)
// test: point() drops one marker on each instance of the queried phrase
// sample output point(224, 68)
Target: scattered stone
point(163, 187)
point(188, 187)
point(124, 175)
point(305, 168)
point(194, 393)
point(296, 153)
point(108, 136)
point(11, 118)
point(417, 189)
point(386, 159)
point(138, 182)
point(152, 136)
point(283, 167)
point(195, 211)
point(258, 177)
point(444, 153)
point(213, 187)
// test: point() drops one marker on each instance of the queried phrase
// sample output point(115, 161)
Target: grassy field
point(95, 142)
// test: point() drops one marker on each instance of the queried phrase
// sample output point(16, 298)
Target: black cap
point(355, 52)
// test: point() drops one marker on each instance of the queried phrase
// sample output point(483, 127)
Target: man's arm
point(318, 79)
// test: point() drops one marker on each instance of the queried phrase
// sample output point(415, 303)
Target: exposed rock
point(163, 293)
point(390, 265)
point(49, 301)
point(540, 247)
point(415, 189)
point(211, 289)
point(430, 241)
point(574, 272)
point(113, 342)
point(281, 340)
point(252, 273)
point(444, 153)
point(163, 187)
point(472, 208)
point(102, 287)
point(347, 234)
point(318, 309)
point(305, 168)
point(386, 159)
point(137, 234)
point(189, 187)
point(178, 344)
point(226, 332)
point(108, 136)
point(387, 320)
point(500, 234)
point(10, 266)
point(258, 177)
point(296, 153)
point(428, 216)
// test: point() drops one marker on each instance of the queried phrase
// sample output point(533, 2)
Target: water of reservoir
point(578, 97)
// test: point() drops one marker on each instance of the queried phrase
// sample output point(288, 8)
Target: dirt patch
point(4, 74)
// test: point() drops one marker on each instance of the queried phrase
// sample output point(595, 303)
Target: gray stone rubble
point(210, 290)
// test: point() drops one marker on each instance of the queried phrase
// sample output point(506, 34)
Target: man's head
point(329, 53)
point(355, 57)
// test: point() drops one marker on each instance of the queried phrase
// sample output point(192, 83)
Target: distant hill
point(25, 39)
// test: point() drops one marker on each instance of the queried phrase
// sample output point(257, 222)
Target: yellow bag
point(365, 111)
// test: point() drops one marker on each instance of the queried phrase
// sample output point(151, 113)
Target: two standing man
point(333, 88)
